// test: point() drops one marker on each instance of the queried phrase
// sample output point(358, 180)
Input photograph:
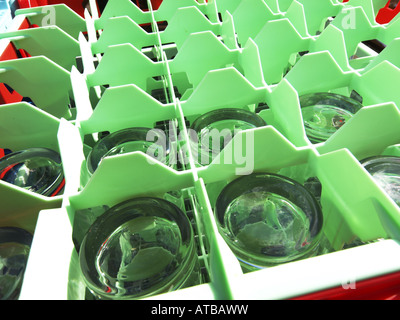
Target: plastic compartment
point(25, 126)
point(220, 61)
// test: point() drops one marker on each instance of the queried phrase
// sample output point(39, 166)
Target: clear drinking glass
point(15, 245)
point(386, 172)
point(36, 169)
point(130, 140)
point(138, 248)
point(216, 128)
point(268, 219)
point(324, 113)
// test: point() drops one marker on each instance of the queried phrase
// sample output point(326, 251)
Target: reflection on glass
point(14, 252)
point(129, 140)
point(36, 169)
point(268, 219)
point(386, 172)
point(216, 128)
point(139, 248)
point(324, 113)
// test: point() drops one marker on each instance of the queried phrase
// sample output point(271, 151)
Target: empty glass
point(138, 248)
point(216, 128)
point(14, 252)
point(386, 172)
point(268, 219)
point(130, 140)
point(324, 113)
point(36, 169)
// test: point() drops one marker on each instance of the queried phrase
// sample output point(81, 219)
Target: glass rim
point(330, 95)
point(375, 160)
point(10, 234)
point(227, 114)
point(116, 138)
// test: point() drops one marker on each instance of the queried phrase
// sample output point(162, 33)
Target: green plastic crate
point(247, 59)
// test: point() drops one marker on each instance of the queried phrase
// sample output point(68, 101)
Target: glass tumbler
point(129, 140)
point(324, 113)
point(216, 128)
point(268, 219)
point(36, 169)
point(138, 248)
point(386, 172)
point(15, 245)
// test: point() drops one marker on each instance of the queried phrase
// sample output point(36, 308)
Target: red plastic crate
point(388, 12)
point(8, 95)
point(76, 5)
point(386, 287)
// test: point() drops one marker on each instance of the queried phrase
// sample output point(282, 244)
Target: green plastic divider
point(224, 267)
point(214, 91)
point(46, 83)
point(123, 8)
point(368, 133)
point(284, 5)
point(309, 16)
point(322, 74)
point(51, 42)
point(81, 95)
point(55, 15)
point(112, 116)
point(185, 21)
point(124, 64)
point(123, 29)
point(250, 16)
point(286, 113)
point(72, 155)
point(365, 210)
point(114, 176)
point(164, 12)
point(277, 41)
point(227, 5)
point(389, 54)
point(301, 29)
point(384, 87)
point(25, 126)
point(393, 150)
point(168, 8)
point(272, 151)
point(201, 52)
